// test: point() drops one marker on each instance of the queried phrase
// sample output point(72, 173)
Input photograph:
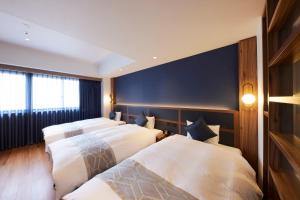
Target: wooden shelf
point(289, 145)
point(280, 14)
point(281, 44)
point(290, 47)
point(286, 184)
point(287, 99)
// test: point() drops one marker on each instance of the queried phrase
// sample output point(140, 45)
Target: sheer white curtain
point(12, 92)
point(54, 93)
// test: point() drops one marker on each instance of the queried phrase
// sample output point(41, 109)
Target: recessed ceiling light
point(154, 57)
point(120, 69)
point(26, 36)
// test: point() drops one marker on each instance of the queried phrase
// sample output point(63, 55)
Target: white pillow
point(151, 122)
point(214, 128)
point(118, 116)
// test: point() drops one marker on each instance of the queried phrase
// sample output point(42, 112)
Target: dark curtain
point(24, 128)
point(19, 129)
point(90, 99)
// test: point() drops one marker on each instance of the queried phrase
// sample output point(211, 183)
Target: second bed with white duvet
point(60, 131)
point(77, 159)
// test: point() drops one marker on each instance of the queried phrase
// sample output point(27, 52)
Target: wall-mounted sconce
point(248, 97)
point(107, 99)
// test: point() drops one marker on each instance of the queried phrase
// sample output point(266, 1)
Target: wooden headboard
point(173, 118)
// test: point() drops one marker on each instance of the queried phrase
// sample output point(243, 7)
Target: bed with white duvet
point(79, 158)
point(176, 168)
point(57, 132)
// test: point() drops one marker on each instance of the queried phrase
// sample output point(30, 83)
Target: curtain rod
point(41, 71)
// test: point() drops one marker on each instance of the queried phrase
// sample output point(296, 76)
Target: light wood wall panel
point(248, 115)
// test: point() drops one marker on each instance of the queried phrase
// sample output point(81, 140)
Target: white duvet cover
point(205, 171)
point(69, 169)
point(58, 132)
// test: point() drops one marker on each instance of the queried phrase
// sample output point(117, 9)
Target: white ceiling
point(13, 30)
point(129, 32)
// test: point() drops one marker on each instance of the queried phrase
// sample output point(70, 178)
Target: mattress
point(175, 168)
point(79, 158)
point(57, 132)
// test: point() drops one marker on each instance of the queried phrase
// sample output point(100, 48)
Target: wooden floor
point(25, 174)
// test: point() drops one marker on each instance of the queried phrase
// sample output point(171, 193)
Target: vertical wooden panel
point(113, 92)
point(266, 109)
point(179, 121)
point(248, 115)
point(236, 130)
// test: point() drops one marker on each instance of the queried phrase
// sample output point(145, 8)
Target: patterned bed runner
point(72, 130)
point(132, 181)
point(97, 154)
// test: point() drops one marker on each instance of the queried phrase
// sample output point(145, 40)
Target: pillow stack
point(112, 115)
point(115, 115)
point(141, 120)
point(150, 122)
point(199, 130)
point(145, 121)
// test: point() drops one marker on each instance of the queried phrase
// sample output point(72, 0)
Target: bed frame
point(173, 118)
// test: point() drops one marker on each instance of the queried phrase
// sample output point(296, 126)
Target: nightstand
point(161, 136)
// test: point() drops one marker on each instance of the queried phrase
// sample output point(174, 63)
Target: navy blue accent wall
point(206, 79)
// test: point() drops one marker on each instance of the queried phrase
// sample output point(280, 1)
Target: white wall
point(260, 101)
point(106, 91)
point(12, 54)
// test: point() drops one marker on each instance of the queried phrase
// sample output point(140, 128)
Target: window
point(49, 92)
point(46, 92)
point(12, 91)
